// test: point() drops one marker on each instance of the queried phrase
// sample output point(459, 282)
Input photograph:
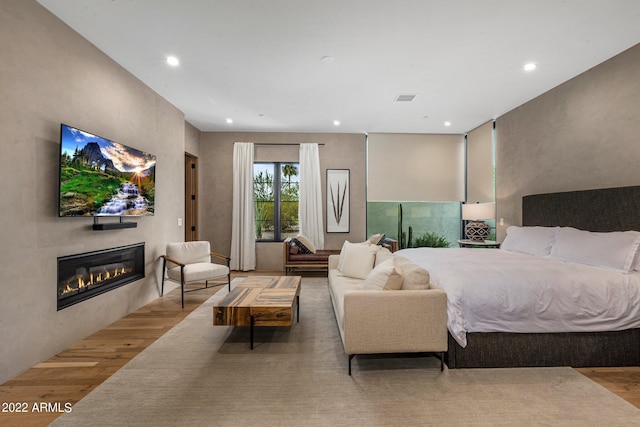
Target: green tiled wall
point(442, 218)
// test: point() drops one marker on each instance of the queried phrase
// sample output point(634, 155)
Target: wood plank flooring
point(72, 374)
point(55, 385)
point(625, 381)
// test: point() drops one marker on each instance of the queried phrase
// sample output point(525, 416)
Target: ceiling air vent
point(405, 98)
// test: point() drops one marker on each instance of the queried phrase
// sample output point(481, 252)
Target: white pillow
point(356, 260)
point(386, 276)
point(382, 254)
point(536, 241)
point(379, 251)
point(342, 254)
point(414, 277)
point(615, 250)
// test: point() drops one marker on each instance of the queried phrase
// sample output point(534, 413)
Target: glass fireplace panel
point(86, 275)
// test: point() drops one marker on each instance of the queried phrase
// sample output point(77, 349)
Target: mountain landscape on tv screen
point(99, 177)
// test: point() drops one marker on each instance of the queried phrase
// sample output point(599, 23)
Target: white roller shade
point(480, 164)
point(415, 167)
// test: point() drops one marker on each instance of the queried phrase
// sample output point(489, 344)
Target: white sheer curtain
point(243, 231)
point(310, 207)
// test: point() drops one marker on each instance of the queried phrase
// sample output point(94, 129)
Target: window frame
point(277, 198)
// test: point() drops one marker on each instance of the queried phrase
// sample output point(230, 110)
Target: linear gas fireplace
point(84, 276)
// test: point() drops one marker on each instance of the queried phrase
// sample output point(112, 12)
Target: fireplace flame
point(84, 282)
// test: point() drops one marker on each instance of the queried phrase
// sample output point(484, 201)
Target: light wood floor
point(72, 374)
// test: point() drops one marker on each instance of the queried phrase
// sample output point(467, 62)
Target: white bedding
point(494, 290)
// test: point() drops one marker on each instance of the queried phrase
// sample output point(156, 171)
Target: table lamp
point(475, 213)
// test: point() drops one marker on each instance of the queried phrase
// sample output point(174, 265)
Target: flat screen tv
point(100, 177)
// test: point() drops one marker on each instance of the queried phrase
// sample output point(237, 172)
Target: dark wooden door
point(190, 197)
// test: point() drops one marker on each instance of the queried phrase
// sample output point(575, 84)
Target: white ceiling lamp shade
point(476, 229)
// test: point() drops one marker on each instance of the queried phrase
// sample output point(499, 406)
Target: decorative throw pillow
point(356, 260)
point(342, 251)
point(376, 239)
point(386, 276)
point(305, 245)
point(414, 276)
point(382, 254)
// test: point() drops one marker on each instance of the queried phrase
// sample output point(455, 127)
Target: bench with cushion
point(299, 253)
point(295, 259)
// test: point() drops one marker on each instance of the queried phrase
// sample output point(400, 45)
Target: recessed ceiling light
point(336, 122)
point(173, 61)
point(530, 66)
point(229, 121)
point(447, 123)
point(327, 59)
point(407, 97)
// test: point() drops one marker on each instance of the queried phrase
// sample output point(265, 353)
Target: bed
point(565, 310)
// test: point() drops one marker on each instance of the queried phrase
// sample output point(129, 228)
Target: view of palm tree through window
point(276, 189)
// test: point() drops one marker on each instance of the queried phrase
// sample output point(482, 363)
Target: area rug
point(198, 374)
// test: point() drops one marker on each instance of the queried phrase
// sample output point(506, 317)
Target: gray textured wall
point(191, 139)
point(50, 75)
point(340, 151)
point(580, 135)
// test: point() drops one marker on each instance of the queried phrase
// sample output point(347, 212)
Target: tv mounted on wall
point(100, 177)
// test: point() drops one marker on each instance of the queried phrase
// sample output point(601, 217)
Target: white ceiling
point(259, 63)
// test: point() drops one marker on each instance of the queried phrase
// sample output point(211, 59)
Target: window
point(276, 194)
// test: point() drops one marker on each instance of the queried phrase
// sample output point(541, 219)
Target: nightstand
point(468, 243)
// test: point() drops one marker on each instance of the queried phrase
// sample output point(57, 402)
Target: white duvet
point(494, 290)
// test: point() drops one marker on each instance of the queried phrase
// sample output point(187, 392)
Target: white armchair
point(191, 262)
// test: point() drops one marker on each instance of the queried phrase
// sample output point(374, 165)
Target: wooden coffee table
point(260, 301)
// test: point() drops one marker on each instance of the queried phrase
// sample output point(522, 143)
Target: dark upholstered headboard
point(608, 209)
